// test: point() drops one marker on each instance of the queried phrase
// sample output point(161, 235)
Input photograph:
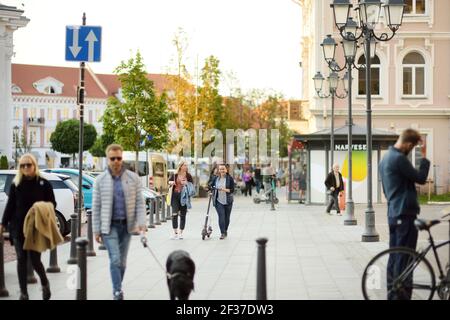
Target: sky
point(258, 41)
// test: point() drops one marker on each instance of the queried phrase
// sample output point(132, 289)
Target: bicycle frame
point(433, 246)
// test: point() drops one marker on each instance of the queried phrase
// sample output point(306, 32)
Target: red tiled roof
point(24, 75)
point(111, 82)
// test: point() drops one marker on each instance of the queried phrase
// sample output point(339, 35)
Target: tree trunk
point(73, 159)
point(136, 164)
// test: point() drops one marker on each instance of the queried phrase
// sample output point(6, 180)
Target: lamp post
point(16, 138)
point(329, 51)
point(368, 12)
point(333, 81)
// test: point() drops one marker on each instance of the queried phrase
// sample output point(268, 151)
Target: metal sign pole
point(80, 146)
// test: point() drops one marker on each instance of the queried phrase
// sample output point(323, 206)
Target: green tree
point(65, 138)
point(4, 163)
point(272, 114)
point(139, 113)
point(210, 109)
point(100, 145)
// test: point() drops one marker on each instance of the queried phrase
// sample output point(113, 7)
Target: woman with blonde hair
point(27, 188)
point(183, 189)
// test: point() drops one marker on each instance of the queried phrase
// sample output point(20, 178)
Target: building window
point(32, 113)
point(49, 90)
point(415, 7)
point(413, 75)
point(48, 134)
point(16, 113)
point(33, 137)
point(65, 113)
point(50, 114)
point(375, 76)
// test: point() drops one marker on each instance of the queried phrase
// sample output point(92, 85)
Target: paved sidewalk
point(310, 255)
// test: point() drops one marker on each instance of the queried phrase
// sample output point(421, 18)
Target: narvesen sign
point(355, 147)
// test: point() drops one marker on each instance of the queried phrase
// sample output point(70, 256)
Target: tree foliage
point(139, 113)
point(65, 138)
point(100, 145)
point(4, 163)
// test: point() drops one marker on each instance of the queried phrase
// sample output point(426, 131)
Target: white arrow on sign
point(75, 49)
point(91, 38)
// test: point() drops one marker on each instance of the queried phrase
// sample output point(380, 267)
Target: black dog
point(180, 275)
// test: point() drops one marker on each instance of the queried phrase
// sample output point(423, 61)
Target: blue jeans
point(224, 212)
point(117, 243)
point(258, 185)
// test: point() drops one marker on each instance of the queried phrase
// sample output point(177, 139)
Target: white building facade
point(43, 96)
point(10, 20)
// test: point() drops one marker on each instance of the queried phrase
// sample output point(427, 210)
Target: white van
point(152, 169)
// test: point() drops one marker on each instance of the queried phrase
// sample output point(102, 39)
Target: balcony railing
point(36, 122)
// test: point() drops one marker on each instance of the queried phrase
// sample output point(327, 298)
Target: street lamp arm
point(352, 37)
point(333, 66)
point(322, 96)
point(341, 96)
point(385, 36)
point(360, 67)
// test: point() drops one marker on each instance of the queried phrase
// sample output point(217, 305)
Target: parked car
point(88, 183)
point(94, 174)
point(64, 196)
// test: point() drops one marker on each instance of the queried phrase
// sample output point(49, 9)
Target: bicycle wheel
point(414, 281)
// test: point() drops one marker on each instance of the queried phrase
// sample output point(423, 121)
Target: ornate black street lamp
point(368, 12)
point(333, 81)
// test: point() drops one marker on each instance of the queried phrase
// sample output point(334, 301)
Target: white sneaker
point(180, 236)
point(174, 236)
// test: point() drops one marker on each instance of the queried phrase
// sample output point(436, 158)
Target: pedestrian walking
point(223, 199)
point(27, 189)
point(118, 210)
point(335, 185)
point(257, 179)
point(268, 177)
point(248, 180)
point(302, 184)
point(183, 190)
point(398, 177)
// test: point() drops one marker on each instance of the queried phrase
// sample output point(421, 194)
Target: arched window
point(375, 76)
point(413, 65)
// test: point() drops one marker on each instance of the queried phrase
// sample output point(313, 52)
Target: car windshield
point(71, 185)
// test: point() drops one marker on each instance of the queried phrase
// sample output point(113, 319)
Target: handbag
point(169, 196)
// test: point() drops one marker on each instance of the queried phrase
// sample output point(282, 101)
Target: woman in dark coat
point(27, 188)
point(223, 198)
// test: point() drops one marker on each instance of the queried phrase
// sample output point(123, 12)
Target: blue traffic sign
point(83, 43)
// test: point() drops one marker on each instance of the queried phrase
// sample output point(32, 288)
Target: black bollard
point(163, 208)
point(73, 237)
point(272, 201)
point(53, 267)
point(151, 208)
point(90, 250)
point(168, 214)
point(261, 287)
point(82, 243)
point(30, 272)
point(157, 210)
point(3, 291)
